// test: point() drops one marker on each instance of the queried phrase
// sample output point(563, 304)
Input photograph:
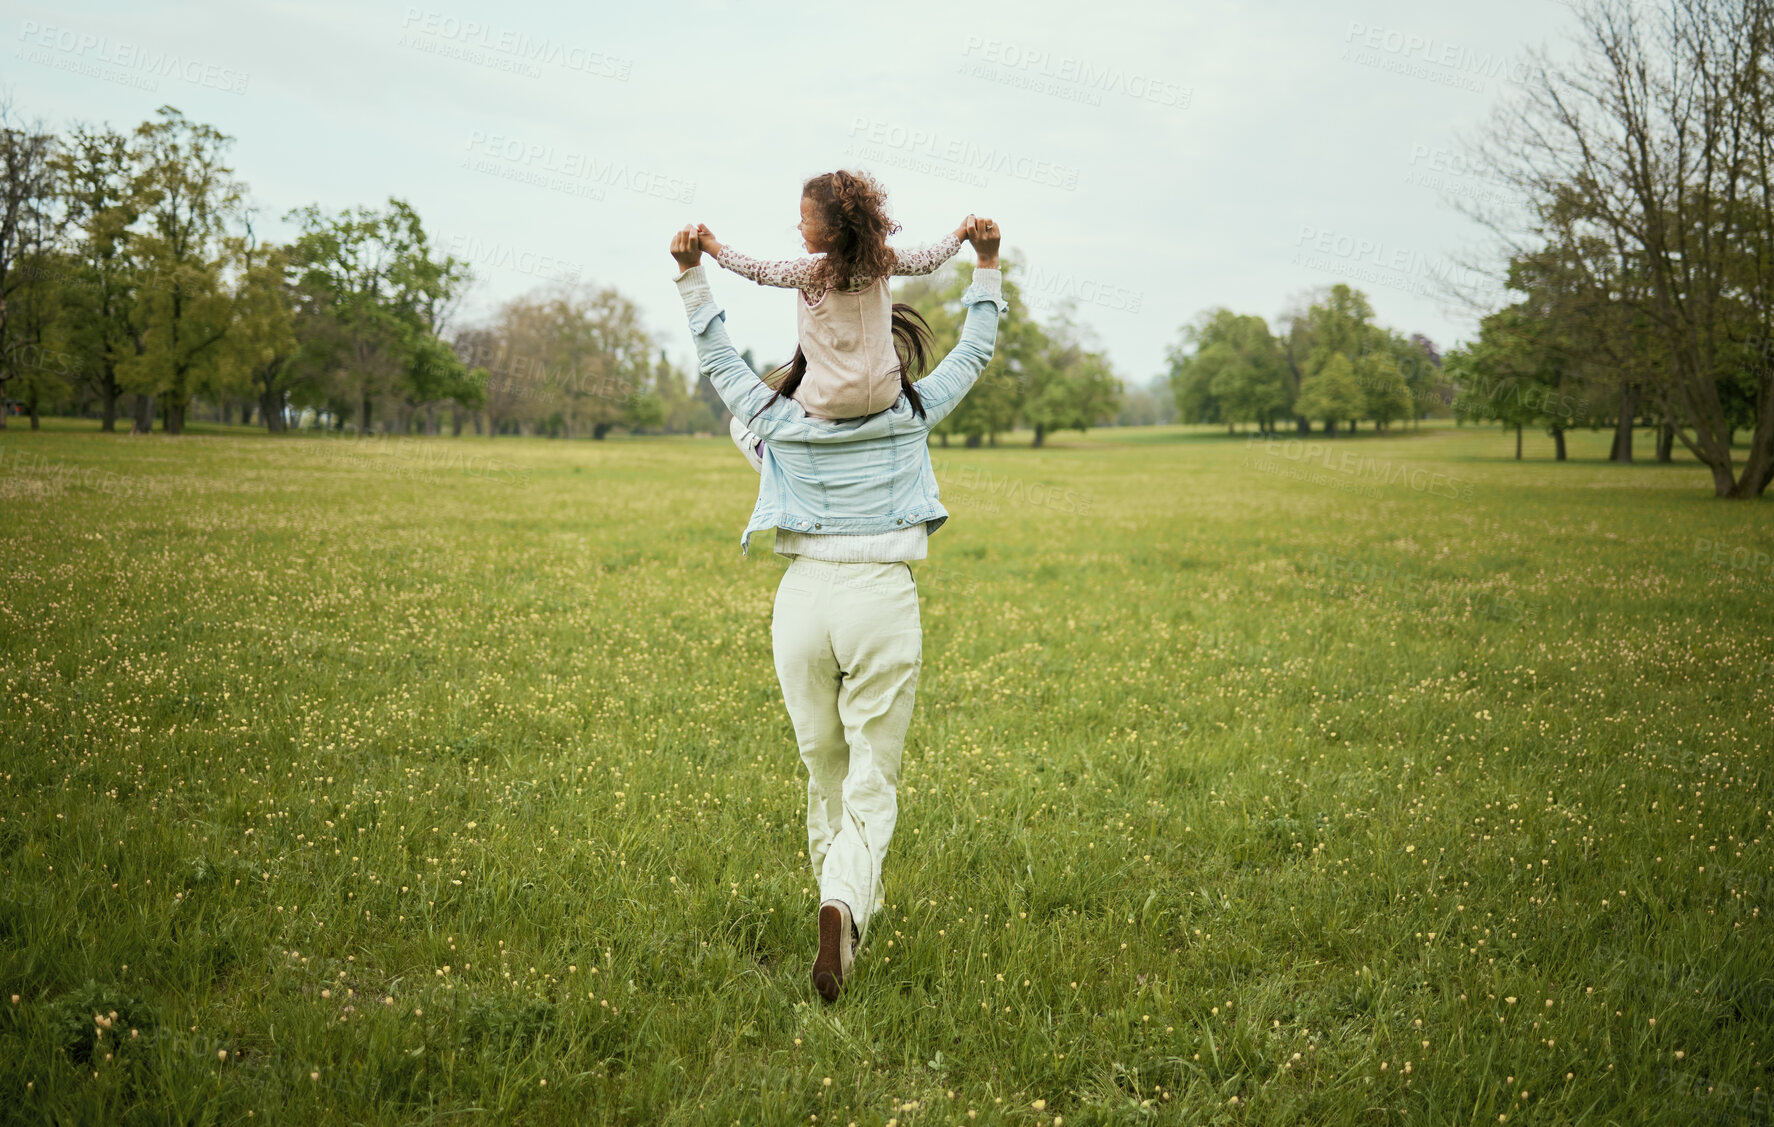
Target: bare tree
point(1648, 149)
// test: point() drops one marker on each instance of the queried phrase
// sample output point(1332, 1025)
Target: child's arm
point(789, 273)
point(925, 260)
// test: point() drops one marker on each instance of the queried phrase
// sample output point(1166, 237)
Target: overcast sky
point(1152, 160)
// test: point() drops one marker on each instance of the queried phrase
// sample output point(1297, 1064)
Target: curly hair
point(852, 208)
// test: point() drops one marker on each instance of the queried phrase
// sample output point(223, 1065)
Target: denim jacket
point(848, 475)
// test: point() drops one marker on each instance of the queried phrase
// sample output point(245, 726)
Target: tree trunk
point(477, 418)
point(144, 415)
point(1304, 426)
point(945, 440)
point(32, 405)
point(172, 417)
point(108, 392)
point(1629, 396)
point(973, 441)
point(271, 412)
point(363, 418)
point(1558, 444)
point(1518, 442)
point(599, 430)
point(227, 413)
point(1330, 428)
point(455, 422)
point(1040, 435)
point(1666, 443)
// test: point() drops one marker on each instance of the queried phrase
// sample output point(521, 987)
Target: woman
point(852, 502)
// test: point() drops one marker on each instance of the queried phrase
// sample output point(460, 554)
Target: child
point(845, 365)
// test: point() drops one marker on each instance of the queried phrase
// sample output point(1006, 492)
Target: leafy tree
point(1385, 395)
point(183, 311)
point(378, 295)
point(1069, 385)
point(263, 346)
point(1337, 321)
point(27, 237)
point(101, 201)
point(1331, 393)
point(1229, 368)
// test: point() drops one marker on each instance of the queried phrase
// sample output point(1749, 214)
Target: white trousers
point(848, 646)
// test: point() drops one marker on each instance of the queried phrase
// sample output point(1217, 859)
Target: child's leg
point(749, 444)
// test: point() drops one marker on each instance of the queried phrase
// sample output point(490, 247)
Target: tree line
point(133, 285)
point(1331, 364)
point(1641, 279)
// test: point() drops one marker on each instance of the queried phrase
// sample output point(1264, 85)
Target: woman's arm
point(944, 388)
point(738, 386)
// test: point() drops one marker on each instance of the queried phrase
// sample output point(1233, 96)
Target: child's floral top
point(803, 273)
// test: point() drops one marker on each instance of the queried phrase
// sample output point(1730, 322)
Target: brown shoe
point(837, 949)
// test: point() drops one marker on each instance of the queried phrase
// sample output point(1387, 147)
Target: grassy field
point(449, 782)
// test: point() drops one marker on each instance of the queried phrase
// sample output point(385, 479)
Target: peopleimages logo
point(1375, 262)
point(473, 41)
point(88, 53)
point(569, 169)
point(1424, 56)
point(504, 256)
point(1362, 468)
point(1068, 77)
point(962, 155)
point(1053, 289)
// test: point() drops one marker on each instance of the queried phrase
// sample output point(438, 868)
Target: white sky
point(1183, 155)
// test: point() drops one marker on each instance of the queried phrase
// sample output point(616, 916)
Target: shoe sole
point(828, 974)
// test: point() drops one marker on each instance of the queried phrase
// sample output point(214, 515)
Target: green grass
point(1231, 796)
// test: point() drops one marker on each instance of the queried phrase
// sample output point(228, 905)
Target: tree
point(101, 201)
point(1650, 151)
point(27, 237)
point(569, 358)
point(1229, 368)
point(1384, 394)
point(378, 296)
point(1331, 393)
point(183, 311)
point(1337, 322)
point(1069, 385)
point(263, 347)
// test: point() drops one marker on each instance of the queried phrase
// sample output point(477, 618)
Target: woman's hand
point(984, 237)
point(965, 230)
point(710, 244)
point(686, 248)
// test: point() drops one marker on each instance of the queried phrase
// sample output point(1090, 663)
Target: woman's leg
point(848, 647)
point(878, 643)
point(809, 674)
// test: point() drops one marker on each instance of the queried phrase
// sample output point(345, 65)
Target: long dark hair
point(852, 208)
point(911, 341)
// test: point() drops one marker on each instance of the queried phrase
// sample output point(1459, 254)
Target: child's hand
point(965, 231)
point(710, 244)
